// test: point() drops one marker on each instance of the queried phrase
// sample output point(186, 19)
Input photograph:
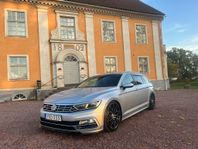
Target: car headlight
point(87, 106)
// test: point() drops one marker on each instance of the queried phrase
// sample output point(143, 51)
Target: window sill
point(141, 44)
point(17, 80)
point(109, 42)
point(16, 36)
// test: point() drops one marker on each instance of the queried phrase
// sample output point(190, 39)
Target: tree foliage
point(182, 64)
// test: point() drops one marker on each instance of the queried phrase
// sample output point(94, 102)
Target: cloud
point(188, 44)
point(182, 30)
point(179, 28)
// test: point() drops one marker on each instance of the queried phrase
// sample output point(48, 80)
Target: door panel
point(143, 94)
point(142, 89)
point(128, 96)
point(128, 99)
point(71, 72)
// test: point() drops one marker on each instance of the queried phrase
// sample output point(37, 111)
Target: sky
point(180, 25)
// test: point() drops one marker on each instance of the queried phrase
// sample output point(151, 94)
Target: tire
point(152, 102)
point(112, 117)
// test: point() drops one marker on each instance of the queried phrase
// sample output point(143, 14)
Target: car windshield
point(101, 81)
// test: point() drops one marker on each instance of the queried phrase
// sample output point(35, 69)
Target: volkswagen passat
point(98, 103)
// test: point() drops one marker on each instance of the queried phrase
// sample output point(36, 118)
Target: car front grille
point(67, 126)
point(59, 108)
point(47, 107)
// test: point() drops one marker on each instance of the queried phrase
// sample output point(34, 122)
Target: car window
point(137, 80)
point(127, 79)
point(145, 79)
point(101, 81)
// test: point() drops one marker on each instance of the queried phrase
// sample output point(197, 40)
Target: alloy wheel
point(113, 116)
point(152, 102)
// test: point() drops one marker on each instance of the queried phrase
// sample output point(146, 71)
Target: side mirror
point(130, 85)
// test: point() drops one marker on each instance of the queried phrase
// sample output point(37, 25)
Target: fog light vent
point(85, 122)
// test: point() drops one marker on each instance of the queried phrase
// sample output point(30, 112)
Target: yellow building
point(62, 42)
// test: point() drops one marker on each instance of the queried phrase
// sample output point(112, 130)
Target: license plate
point(53, 117)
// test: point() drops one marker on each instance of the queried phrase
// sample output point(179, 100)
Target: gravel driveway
point(173, 124)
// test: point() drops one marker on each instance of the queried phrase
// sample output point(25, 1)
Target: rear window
point(137, 80)
point(145, 79)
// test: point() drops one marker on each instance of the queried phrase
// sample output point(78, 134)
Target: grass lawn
point(181, 85)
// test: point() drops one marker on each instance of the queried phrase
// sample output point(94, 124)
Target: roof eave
point(161, 16)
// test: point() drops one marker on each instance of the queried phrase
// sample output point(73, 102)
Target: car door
point(142, 89)
point(128, 96)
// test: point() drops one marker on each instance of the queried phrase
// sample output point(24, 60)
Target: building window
point(141, 37)
point(108, 31)
point(67, 28)
point(110, 65)
point(18, 69)
point(143, 65)
point(16, 24)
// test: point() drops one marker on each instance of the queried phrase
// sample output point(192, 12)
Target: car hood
point(78, 95)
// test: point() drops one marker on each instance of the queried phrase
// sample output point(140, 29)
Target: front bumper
point(71, 121)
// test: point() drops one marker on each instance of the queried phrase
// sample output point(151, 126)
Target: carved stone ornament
point(83, 76)
point(60, 77)
point(80, 47)
point(60, 47)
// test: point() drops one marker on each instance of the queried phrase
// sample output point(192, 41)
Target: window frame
point(138, 59)
point(136, 24)
point(68, 14)
point(116, 64)
point(8, 67)
point(102, 31)
point(6, 22)
point(66, 27)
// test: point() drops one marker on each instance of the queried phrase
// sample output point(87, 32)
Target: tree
point(182, 64)
point(172, 69)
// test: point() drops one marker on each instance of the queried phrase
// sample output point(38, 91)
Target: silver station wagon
point(99, 103)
